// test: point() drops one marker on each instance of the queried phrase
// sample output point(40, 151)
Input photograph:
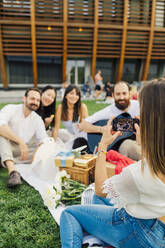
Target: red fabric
point(119, 160)
point(135, 97)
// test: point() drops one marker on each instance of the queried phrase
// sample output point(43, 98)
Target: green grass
point(25, 221)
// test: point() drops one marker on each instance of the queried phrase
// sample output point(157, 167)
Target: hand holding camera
point(125, 124)
point(108, 135)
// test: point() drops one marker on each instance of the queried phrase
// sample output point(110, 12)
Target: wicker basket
point(83, 175)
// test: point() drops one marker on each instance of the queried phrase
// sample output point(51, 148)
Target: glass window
point(156, 69)
point(49, 70)
point(20, 70)
point(76, 71)
point(131, 70)
point(108, 69)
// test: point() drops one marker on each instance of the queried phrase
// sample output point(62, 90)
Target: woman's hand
point(137, 128)
point(108, 134)
point(137, 133)
point(48, 120)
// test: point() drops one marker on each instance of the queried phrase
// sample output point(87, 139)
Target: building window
point(131, 70)
point(156, 69)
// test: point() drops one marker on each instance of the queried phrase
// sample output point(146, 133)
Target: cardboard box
point(110, 169)
point(86, 160)
point(64, 160)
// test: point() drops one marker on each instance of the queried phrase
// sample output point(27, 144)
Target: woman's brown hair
point(77, 105)
point(152, 127)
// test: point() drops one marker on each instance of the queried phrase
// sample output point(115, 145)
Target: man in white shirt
point(122, 104)
point(18, 125)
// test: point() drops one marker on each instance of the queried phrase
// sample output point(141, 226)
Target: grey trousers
point(9, 150)
point(130, 149)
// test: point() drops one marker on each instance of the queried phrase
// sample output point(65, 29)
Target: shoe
point(14, 179)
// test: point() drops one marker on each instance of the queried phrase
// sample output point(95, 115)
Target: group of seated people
point(138, 193)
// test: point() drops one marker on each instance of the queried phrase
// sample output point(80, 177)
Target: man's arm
point(89, 127)
point(6, 132)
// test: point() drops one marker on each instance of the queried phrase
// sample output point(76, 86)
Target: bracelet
point(104, 152)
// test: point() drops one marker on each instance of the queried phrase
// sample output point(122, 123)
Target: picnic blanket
point(42, 172)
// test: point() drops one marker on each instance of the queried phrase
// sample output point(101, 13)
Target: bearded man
point(122, 104)
point(18, 125)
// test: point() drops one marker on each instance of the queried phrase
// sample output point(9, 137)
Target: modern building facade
point(50, 41)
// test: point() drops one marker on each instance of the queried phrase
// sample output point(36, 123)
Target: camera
point(124, 124)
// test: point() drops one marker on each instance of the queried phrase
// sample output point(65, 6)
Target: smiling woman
point(70, 111)
point(47, 106)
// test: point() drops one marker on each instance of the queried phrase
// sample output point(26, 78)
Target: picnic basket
point(82, 175)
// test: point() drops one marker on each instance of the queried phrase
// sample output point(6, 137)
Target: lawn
point(25, 221)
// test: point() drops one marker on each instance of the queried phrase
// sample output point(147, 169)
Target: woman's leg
point(71, 232)
point(101, 200)
point(104, 222)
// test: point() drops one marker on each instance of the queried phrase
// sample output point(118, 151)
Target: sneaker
point(14, 179)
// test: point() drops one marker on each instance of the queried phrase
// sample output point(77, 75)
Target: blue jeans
point(114, 227)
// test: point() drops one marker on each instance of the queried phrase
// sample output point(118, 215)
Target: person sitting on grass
point(70, 112)
point(18, 124)
point(47, 106)
point(108, 90)
point(122, 104)
point(86, 89)
point(134, 216)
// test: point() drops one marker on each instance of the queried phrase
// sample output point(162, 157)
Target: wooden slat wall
point(2, 62)
point(33, 38)
point(16, 39)
point(137, 44)
point(151, 37)
point(82, 32)
point(49, 42)
point(49, 10)
point(111, 12)
point(81, 11)
point(123, 44)
point(158, 49)
point(80, 42)
point(15, 10)
point(139, 14)
point(109, 43)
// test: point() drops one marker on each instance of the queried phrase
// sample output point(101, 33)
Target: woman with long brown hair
point(135, 217)
point(71, 111)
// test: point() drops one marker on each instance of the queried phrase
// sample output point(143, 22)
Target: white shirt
point(141, 195)
point(112, 110)
point(25, 127)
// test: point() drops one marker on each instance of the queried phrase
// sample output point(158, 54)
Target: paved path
point(12, 96)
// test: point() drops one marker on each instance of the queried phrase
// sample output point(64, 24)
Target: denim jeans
point(114, 227)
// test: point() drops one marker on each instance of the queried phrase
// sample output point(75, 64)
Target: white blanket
point(42, 172)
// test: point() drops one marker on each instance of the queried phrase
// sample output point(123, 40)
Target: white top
point(69, 125)
point(73, 129)
point(24, 127)
point(141, 195)
point(112, 110)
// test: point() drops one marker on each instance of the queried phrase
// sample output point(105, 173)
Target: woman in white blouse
point(137, 194)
